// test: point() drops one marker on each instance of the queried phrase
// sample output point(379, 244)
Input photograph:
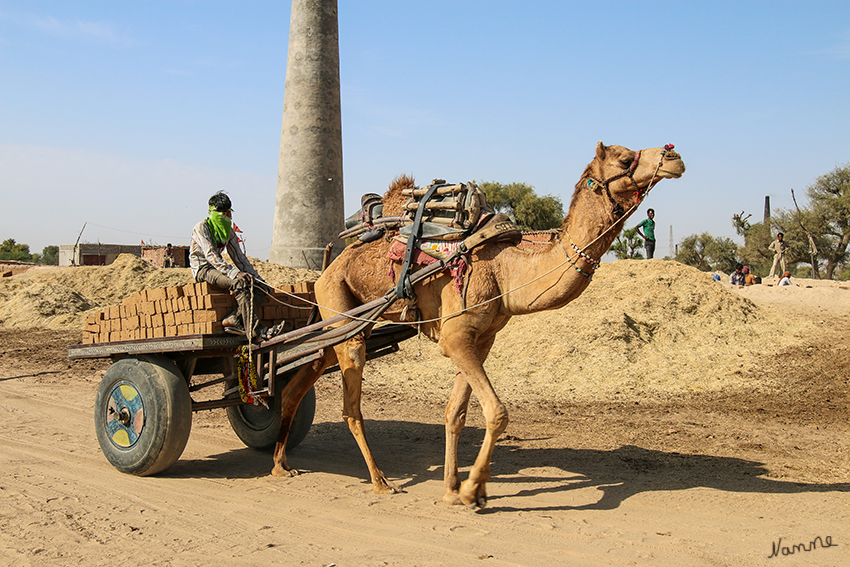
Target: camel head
point(624, 176)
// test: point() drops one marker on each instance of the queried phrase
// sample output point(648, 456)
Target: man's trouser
point(778, 260)
point(239, 288)
point(650, 248)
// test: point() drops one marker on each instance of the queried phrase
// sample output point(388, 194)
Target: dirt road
point(726, 478)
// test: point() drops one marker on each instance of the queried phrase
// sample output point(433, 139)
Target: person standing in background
point(168, 256)
point(778, 247)
point(648, 234)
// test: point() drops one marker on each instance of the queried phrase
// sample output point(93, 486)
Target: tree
point(627, 244)
point(11, 250)
point(723, 253)
point(829, 205)
point(528, 210)
point(815, 234)
point(707, 253)
point(813, 249)
point(742, 223)
point(691, 251)
point(50, 256)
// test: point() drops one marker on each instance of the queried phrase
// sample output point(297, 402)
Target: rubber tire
point(167, 414)
point(258, 427)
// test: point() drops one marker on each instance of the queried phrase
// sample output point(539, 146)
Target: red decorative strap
point(636, 160)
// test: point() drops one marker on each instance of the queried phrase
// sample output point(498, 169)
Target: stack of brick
point(192, 309)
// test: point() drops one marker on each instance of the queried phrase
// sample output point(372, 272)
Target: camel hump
point(393, 199)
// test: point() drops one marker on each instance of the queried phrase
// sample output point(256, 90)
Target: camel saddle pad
point(427, 251)
point(495, 227)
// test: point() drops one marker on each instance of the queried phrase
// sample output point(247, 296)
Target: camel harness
point(441, 223)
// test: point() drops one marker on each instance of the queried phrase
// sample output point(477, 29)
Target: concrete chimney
point(309, 207)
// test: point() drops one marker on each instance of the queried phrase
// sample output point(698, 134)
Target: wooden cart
point(143, 410)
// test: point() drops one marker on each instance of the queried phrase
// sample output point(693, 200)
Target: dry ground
point(709, 442)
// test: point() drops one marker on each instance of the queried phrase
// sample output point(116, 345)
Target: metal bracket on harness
point(404, 288)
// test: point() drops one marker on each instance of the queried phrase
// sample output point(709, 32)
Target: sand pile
point(646, 329)
point(652, 327)
point(59, 298)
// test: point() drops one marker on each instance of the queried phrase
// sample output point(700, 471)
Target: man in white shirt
point(210, 238)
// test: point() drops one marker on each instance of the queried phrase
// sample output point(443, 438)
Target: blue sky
point(127, 115)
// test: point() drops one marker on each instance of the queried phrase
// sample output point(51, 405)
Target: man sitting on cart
point(210, 238)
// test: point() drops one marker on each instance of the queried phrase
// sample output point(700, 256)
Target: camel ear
point(600, 150)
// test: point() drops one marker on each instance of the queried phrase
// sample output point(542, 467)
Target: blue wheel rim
point(124, 415)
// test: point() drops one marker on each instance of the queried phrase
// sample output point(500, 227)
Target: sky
point(125, 116)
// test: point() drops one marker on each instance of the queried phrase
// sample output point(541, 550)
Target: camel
point(505, 281)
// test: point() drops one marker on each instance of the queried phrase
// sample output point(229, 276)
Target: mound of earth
point(654, 328)
point(649, 327)
point(59, 298)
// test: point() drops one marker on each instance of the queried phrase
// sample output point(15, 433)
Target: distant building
point(94, 254)
point(105, 254)
point(9, 268)
point(156, 256)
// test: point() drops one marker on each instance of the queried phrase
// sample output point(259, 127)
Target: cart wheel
point(258, 427)
point(143, 414)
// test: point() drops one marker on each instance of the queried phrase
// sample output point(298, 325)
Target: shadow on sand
point(412, 453)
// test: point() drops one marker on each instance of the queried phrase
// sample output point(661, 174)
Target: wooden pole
point(74, 252)
point(813, 250)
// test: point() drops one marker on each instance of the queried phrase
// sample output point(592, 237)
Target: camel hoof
point(475, 498)
point(386, 487)
point(479, 504)
point(452, 498)
point(283, 472)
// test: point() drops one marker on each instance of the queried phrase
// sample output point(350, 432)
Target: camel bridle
point(617, 208)
point(630, 173)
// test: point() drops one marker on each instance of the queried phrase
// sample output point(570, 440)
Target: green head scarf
point(220, 225)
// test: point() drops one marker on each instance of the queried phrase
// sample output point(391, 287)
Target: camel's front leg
point(469, 360)
point(352, 359)
point(291, 397)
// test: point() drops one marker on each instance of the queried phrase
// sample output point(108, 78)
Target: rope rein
point(249, 324)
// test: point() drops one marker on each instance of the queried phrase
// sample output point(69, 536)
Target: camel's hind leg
point(352, 359)
point(455, 420)
point(471, 377)
point(291, 397)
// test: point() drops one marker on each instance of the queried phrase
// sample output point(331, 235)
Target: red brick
point(156, 294)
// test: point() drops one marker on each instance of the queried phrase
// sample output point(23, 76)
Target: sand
point(660, 419)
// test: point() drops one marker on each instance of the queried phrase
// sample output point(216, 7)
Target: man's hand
point(243, 280)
